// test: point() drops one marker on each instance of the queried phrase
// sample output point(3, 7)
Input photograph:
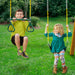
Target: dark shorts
point(13, 40)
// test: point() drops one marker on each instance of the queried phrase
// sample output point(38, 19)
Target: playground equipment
point(30, 25)
point(48, 22)
point(73, 41)
point(66, 22)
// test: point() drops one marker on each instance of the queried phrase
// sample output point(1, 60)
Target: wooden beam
point(73, 41)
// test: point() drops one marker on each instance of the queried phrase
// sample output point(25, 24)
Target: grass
point(41, 59)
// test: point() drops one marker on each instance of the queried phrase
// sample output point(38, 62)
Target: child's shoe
point(55, 70)
point(19, 52)
point(24, 54)
point(64, 69)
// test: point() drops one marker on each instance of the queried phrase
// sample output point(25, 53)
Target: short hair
point(60, 28)
point(19, 10)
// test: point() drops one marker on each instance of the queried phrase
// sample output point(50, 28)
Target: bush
point(34, 20)
point(72, 18)
point(1, 20)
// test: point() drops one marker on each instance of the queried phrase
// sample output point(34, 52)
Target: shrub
point(34, 20)
point(72, 18)
point(2, 20)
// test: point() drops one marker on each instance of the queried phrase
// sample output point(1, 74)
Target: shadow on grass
point(73, 56)
point(21, 68)
point(68, 52)
point(60, 71)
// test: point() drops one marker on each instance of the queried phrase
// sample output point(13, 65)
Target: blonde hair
point(60, 28)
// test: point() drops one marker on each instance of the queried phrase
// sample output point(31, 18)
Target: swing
point(12, 26)
point(67, 22)
point(48, 24)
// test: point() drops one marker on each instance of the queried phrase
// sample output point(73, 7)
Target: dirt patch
point(4, 23)
point(37, 27)
point(72, 23)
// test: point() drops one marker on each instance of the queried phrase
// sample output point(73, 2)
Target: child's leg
point(17, 41)
point(56, 55)
point(62, 58)
point(63, 61)
point(25, 42)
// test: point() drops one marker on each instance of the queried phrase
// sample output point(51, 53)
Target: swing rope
point(30, 25)
point(48, 23)
point(67, 21)
point(30, 10)
point(10, 9)
point(10, 21)
point(67, 18)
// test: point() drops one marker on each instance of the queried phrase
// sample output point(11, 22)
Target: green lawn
point(41, 59)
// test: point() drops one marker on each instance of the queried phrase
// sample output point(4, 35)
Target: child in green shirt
point(58, 46)
point(18, 37)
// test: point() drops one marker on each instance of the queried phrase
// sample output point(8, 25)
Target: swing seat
point(49, 46)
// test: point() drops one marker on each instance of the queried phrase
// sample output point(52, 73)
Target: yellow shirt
point(20, 27)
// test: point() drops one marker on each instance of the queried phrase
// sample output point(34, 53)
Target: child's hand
point(67, 26)
point(25, 18)
point(14, 18)
point(47, 25)
point(46, 28)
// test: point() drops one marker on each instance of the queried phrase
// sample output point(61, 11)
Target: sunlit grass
point(41, 59)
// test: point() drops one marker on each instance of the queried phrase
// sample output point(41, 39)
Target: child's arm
point(46, 33)
point(68, 28)
point(46, 28)
point(69, 32)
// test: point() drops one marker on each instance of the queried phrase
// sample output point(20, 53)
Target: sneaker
point(19, 52)
point(24, 54)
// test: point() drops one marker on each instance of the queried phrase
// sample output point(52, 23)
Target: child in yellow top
point(18, 37)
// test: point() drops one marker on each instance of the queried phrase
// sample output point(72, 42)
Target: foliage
point(39, 7)
point(34, 20)
point(72, 19)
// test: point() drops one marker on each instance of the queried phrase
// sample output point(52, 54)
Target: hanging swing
point(12, 26)
point(48, 23)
